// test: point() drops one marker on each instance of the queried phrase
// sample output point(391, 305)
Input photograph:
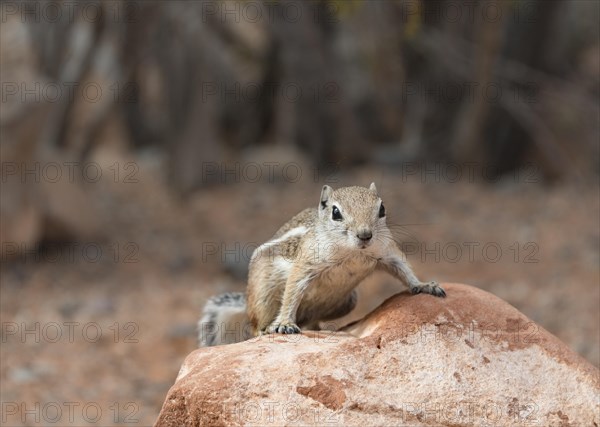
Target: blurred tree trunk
point(313, 111)
point(510, 137)
point(467, 144)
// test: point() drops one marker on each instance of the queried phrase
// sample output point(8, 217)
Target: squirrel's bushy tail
point(224, 320)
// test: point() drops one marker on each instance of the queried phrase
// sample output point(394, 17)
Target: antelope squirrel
point(308, 272)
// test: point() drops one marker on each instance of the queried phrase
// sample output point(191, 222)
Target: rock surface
point(469, 359)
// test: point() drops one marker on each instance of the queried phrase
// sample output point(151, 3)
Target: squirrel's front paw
point(283, 328)
point(432, 288)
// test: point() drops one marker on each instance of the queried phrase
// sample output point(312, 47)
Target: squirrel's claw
point(432, 288)
point(283, 328)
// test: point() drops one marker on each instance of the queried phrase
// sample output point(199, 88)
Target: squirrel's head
point(352, 217)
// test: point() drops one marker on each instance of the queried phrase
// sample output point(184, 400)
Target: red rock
point(466, 360)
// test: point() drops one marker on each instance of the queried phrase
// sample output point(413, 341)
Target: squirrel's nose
point(365, 235)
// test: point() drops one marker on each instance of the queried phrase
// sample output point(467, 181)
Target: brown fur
point(309, 270)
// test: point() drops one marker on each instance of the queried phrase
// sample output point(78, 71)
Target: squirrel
point(309, 270)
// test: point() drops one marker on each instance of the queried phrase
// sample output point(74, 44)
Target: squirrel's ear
point(373, 188)
point(325, 193)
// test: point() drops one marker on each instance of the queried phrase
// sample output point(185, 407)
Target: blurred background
point(148, 147)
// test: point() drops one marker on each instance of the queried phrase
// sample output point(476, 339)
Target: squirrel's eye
point(381, 211)
point(336, 215)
